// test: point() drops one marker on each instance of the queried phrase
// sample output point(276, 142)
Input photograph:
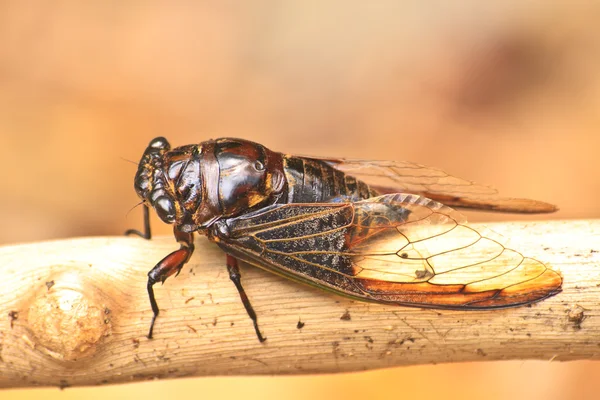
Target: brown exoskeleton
point(318, 221)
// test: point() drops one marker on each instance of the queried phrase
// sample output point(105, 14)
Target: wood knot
point(68, 317)
point(576, 315)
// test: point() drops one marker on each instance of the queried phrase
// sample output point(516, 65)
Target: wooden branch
point(76, 312)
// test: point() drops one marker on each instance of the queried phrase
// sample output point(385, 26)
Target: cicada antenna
point(133, 208)
point(129, 161)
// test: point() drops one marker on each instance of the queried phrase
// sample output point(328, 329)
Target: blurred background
point(501, 92)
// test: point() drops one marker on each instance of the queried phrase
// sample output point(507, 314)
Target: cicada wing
point(402, 249)
point(389, 177)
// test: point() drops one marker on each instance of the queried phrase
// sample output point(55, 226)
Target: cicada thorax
point(194, 185)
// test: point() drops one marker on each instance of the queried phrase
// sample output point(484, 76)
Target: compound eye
point(165, 209)
point(141, 185)
point(159, 143)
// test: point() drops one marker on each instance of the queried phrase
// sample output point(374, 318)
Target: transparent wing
point(402, 249)
point(405, 177)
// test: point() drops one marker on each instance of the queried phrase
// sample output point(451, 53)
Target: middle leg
point(234, 275)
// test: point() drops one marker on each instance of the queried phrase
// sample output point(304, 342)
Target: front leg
point(168, 266)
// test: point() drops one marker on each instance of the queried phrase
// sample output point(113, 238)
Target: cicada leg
point(235, 276)
point(146, 234)
point(168, 266)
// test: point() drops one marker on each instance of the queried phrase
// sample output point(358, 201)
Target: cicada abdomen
point(316, 181)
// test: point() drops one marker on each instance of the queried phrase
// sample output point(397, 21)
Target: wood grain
point(75, 312)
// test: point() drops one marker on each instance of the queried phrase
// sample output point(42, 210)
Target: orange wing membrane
point(403, 249)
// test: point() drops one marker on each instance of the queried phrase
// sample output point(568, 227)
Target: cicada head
point(192, 186)
point(150, 183)
point(170, 181)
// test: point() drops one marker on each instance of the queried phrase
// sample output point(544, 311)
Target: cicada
point(378, 231)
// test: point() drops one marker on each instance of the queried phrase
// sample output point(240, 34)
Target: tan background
point(503, 92)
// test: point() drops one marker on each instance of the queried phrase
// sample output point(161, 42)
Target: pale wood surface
point(75, 312)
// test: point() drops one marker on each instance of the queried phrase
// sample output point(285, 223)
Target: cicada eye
point(165, 209)
point(159, 143)
point(141, 184)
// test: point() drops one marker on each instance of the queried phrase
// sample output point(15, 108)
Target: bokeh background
point(501, 92)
